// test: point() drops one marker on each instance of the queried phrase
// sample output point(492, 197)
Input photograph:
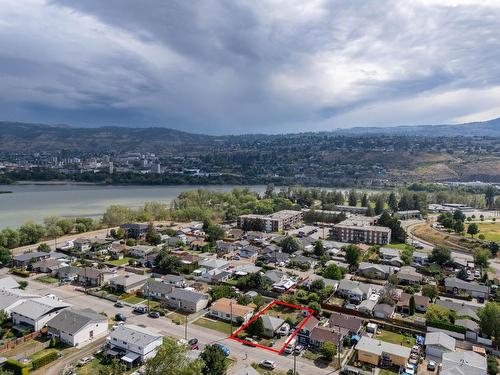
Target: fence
point(13, 343)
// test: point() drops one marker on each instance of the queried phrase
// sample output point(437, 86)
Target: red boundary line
point(255, 317)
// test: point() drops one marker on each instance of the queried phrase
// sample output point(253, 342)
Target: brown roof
point(311, 323)
point(224, 305)
point(404, 300)
point(348, 322)
point(323, 334)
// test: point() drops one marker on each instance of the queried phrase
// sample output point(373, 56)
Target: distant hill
point(489, 128)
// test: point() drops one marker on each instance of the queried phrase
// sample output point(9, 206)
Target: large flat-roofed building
point(370, 234)
point(281, 220)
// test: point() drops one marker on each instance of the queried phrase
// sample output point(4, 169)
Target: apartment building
point(369, 234)
point(281, 220)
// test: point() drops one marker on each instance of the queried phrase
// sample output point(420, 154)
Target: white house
point(35, 313)
point(11, 298)
point(77, 327)
point(141, 251)
point(466, 362)
point(137, 343)
point(438, 343)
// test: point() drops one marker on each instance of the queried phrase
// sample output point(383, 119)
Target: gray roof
point(467, 323)
point(159, 287)
point(8, 282)
point(271, 323)
point(128, 279)
point(363, 266)
point(354, 286)
point(462, 309)
point(174, 278)
point(453, 282)
point(135, 335)
point(72, 321)
point(188, 295)
point(417, 254)
point(37, 307)
point(27, 256)
point(440, 339)
point(387, 251)
point(463, 363)
point(378, 347)
point(274, 275)
point(249, 370)
point(385, 308)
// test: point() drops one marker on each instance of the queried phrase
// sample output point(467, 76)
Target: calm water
point(35, 202)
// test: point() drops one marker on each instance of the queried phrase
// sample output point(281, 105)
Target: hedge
point(16, 367)
point(21, 273)
point(446, 326)
point(47, 357)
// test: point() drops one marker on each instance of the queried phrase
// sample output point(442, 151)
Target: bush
point(447, 326)
point(16, 367)
point(21, 273)
point(47, 357)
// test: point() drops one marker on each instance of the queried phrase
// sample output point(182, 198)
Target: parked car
point(120, 317)
point(224, 348)
point(154, 314)
point(267, 363)
point(85, 360)
point(298, 349)
point(140, 309)
point(118, 304)
point(431, 365)
point(249, 341)
point(193, 341)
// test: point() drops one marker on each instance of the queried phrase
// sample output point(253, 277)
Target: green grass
point(216, 325)
point(133, 300)
point(400, 246)
point(41, 353)
point(311, 355)
point(95, 366)
point(395, 338)
point(47, 279)
point(491, 231)
point(119, 262)
point(387, 372)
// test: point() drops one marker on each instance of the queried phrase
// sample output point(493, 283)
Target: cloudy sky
point(251, 66)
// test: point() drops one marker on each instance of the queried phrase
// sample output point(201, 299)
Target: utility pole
point(294, 364)
point(231, 307)
point(185, 327)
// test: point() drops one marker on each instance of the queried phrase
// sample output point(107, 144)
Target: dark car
point(118, 304)
point(120, 317)
point(154, 314)
point(193, 341)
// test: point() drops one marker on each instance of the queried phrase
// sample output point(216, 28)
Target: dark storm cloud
point(249, 66)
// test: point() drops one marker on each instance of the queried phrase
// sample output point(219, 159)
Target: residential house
point(87, 276)
point(135, 230)
point(224, 247)
point(403, 304)
point(409, 214)
point(141, 251)
point(10, 298)
point(472, 328)
point(36, 312)
point(127, 283)
point(176, 240)
point(374, 271)
point(327, 282)
point(47, 266)
point(228, 309)
point(82, 244)
point(320, 335)
point(456, 286)
point(187, 300)
point(305, 332)
point(438, 343)
point(373, 351)
point(383, 311)
point(249, 252)
point(420, 258)
point(274, 276)
point(409, 275)
point(157, 289)
point(354, 291)
point(463, 363)
point(367, 306)
point(236, 233)
point(138, 344)
point(462, 309)
point(8, 282)
point(304, 261)
point(199, 245)
point(271, 325)
point(117, 250)
point(245, 269)
point(175, 280)
point(345, 324)
point(390, 256)
point(24, 260)
point(77, 327)
point(276, 257)
point(213, 263)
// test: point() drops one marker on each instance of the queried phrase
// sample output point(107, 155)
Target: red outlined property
point(235, 337)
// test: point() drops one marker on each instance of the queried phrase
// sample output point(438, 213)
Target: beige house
point(372, 351)
point(228, 309)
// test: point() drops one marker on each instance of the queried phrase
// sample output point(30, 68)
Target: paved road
point(243, 355)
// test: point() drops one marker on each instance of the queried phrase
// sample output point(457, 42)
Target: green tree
point(220, 291)
point(23, 284)
point(3, 317)
point(116, 215)
point(489, 322)
point(412, 305)
point(5, 256)
point(290, 245)
point(458, 226)
point(171, 360)
point(494, 247)
point(269, 193)
point(317, 285)
point(472, 229)
point(315, 306)
point(152, 236)
point(114, 367)
point(364, 200)
point(332, 271)
point(353, 198)
point(10, 238)
point(482, 258)
point(256, 328)
point(437, 313)
point(214, 233)
point(44, 247)
point(31, 233)
point(215, 360)
point(370, 212)
point(328, 351)
point(430, 291)
point(393, 202)
point(379, 205)
point(407, 255)
point(440, 255)
point(54, 231)
point(168, 263)
point(352, 255)
point(489, 197)
point(66, 225)
point(319, 249)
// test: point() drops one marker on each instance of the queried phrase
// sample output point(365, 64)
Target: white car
point(267, 363)
point(85, 360)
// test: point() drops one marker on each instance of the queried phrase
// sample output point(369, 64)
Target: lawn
point(95, 367)
point(491, 231)
point(387, 372)
point(41, 353)
point(47, 279)
point(216, 325)
point(395, 338)
point(285, 313)
point(177, 318)
point(119, 262)
point(400, 246)
point(133, 300)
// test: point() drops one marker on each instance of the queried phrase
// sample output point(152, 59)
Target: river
point(36, 202)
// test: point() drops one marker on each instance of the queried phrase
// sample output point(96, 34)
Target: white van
point(291, 345)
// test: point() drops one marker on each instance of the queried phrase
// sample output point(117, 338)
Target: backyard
point(133, 300)
point(395, 338)
point(216, 325)
point(119, 262)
